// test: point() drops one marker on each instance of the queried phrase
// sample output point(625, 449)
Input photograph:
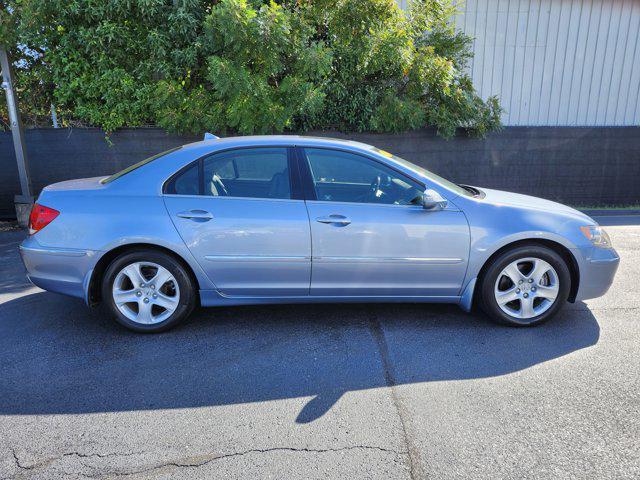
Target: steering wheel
point(375, 194)
point(216, 182)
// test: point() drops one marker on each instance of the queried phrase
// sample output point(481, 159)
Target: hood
point(498, 197)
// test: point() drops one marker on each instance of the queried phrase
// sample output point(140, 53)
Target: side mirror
point(432, 200)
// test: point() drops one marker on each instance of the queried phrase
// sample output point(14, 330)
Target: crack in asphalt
point(190, 462)
point(99, 455)
point(413, 453)
point(22, 467)
point(199, 461)
point(19, 464)
point(47, 461)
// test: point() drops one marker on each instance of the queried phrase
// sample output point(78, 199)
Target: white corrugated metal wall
point(557, 62)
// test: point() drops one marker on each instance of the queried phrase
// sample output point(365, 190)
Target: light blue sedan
point(289, 219)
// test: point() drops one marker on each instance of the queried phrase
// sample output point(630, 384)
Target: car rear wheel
point(525, 286)
point(148, 291)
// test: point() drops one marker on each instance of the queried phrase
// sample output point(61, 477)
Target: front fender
point(494, 227)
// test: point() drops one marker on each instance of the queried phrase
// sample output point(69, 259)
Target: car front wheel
point(525, 286)
point(148, 291)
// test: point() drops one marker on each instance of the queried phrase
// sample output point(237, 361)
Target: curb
point(610, 213)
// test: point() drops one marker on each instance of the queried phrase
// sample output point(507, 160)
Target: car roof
point(266, 140)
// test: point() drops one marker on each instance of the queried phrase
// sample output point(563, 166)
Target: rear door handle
point(334, 219)
point(201, 215)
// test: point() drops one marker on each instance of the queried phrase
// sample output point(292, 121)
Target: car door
point(370, 235)
point(238, 213)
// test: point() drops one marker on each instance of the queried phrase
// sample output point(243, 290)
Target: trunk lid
point(78, 184)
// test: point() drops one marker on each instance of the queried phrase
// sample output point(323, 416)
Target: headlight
point(597, 236)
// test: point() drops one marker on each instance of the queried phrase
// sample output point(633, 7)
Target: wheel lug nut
point(531, 280)
point(517, 290)
point(142, 285)
point(526, 295)
point(155, 295)
point(533, 289)
point(139, 294)
point(146, 300)
point(520, 282)
point(152, 287)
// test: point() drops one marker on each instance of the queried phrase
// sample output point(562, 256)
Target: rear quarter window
point(186, 182)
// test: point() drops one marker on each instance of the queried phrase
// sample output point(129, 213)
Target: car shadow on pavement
point(59, 357)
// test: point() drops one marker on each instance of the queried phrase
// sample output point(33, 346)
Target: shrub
point(245, 66)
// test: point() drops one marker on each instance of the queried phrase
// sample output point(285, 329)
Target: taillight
point(40, 217)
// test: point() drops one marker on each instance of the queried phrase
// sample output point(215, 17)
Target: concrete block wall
point(579, 166)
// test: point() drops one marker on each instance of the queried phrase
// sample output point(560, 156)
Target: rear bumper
point(59, 270)
point(598, 267)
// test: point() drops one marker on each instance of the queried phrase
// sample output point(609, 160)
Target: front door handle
point(334, 219)
point(198, 215)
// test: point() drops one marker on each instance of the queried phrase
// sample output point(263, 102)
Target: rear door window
point(246, 173)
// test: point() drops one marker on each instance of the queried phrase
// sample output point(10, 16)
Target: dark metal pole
point(23, 202)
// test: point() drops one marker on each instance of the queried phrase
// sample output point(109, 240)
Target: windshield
point(426, 173)
point(131, 168)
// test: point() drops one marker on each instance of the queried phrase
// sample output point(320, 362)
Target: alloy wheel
point(146, 293)
point(526, 288)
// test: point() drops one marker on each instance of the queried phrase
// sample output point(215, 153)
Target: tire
point(527, 301)
point(143, 308)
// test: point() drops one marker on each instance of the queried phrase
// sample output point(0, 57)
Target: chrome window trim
point(448, 208)
point(255, 199)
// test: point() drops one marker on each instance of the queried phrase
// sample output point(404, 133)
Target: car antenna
point(210, 136)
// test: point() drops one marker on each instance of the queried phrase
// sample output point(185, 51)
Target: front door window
point(346, 177)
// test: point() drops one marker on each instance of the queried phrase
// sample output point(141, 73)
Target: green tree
point(262, 73)
point(246, 66)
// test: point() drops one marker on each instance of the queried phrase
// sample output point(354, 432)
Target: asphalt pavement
point(320, 391)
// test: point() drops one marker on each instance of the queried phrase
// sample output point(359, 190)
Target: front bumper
point(598, 267)
point(60, 270)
